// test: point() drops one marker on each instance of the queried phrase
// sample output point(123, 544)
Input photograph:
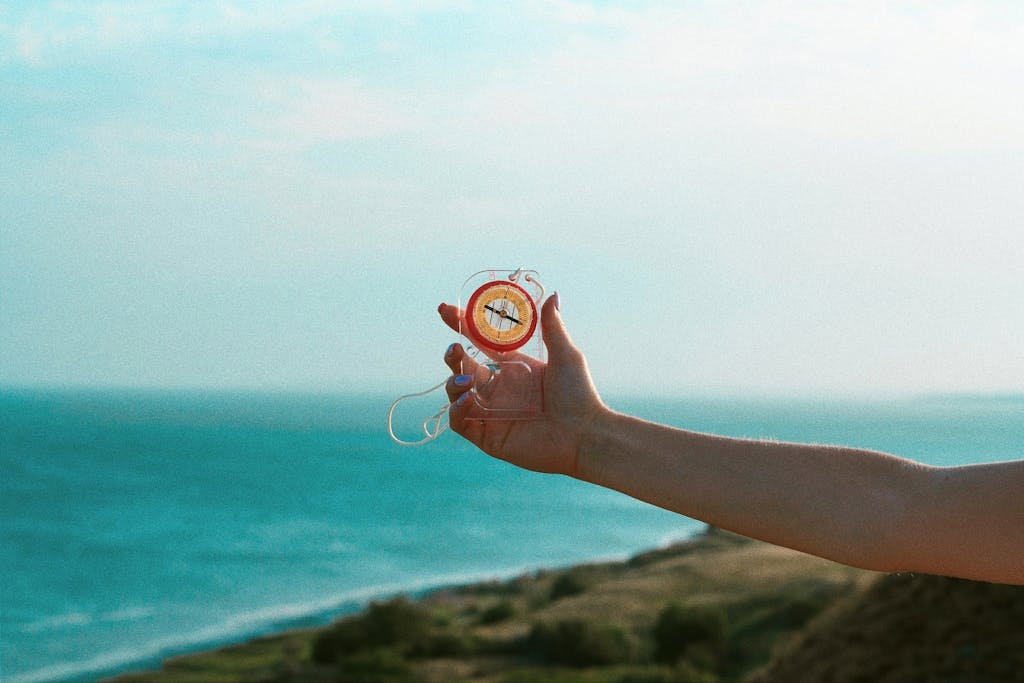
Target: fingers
point(466, 373)
point(451, 315)
point(458, 422)
point(464, 369)
point(453, 357)
point(458, 386)
point(556, 337)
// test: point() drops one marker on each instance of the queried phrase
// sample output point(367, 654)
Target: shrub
point(578, 643)
point(797, 611)
point(444, 643)
point(687, 673)
point(683, 673)
point(571, 582)
point(611, 674)
point(382, 665)
point(679, 629)
point(498, 612)
point(397, 623)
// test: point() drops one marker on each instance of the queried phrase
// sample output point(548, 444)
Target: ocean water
point(138, 525)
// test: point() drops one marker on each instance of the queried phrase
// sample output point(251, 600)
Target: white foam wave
point(75, 619)
point(236, 628)
point(58, 622)
point(256, 622)
point(128, 614)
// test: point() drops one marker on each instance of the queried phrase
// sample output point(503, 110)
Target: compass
point(501, 315)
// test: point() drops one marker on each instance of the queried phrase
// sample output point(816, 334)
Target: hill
point(909, 628)
point(716, 608)
point(712, 608)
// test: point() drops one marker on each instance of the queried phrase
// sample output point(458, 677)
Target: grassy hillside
point(909, 628)
point(710, 609)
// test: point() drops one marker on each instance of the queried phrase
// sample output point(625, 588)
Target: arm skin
point(862, 508)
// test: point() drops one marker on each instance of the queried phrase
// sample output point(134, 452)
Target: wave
point(237, 628)
point(69, 620)
point(58, 622)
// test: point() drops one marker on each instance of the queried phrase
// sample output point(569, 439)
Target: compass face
point(501, 316)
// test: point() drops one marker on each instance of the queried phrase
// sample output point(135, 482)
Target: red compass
point(501, 316)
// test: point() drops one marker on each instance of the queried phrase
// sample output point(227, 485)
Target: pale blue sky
point(748, 198)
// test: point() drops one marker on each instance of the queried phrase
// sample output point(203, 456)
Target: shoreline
point(699, 549)
point(285, 618)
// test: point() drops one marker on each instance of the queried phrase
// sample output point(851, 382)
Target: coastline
point(321, 493)
point(734, 609)
point(747, 572)
point(286, 618)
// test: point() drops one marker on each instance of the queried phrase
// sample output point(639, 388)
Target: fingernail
point(451, 349)
point(462, 399)
point(558, 302)
point(462, 380)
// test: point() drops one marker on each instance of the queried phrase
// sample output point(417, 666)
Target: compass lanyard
point(433, 426)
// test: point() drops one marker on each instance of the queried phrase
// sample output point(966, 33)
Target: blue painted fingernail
point(462, 399)
point(451, 349)
point(462, 380)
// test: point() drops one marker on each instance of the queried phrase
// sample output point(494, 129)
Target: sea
point(138, 525)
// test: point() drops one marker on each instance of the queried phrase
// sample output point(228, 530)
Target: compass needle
point(503, 315)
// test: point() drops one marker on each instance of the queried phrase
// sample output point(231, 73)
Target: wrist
point(593, 442)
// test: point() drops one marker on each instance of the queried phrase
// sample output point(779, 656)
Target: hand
point(571, 403)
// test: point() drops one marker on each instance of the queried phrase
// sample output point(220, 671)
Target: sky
point(772, 198)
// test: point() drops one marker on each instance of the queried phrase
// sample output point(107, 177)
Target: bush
point(684, 673)
point(397, 623)
point(578, 643)
point(680, 629)
point(445, 643)
point(797, 611)
point(498, 612)
point(383, 665)
point(687, 673)
point(572, 582)
point(611, 674)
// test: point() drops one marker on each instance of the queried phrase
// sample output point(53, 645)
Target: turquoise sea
point(137, 525)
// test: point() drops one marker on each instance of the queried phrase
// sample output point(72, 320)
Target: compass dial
point(501, 316)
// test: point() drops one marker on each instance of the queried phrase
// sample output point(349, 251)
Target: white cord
point(432, 432)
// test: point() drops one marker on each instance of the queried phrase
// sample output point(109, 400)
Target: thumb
point(556, 337)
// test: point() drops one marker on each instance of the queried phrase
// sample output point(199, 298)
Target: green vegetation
point(613, 674)
point(711, 610)
point(397, 623)
point(909, 627)
point(569, 583)
point(398, 627)
point(578, 643)
point(498, 612)
point(697, 632)
point(380, 665)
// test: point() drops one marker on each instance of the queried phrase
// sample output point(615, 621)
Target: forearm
point(839, 503)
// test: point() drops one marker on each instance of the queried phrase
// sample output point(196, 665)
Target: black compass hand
point(502, 313)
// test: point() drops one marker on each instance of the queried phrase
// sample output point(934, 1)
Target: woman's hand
point(549, 443)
